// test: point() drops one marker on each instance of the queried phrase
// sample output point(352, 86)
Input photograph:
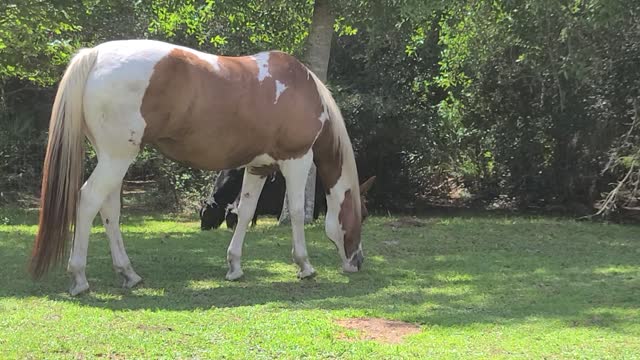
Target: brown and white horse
point(210, 112)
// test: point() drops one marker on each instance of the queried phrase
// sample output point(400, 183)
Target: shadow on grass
point(451, 272)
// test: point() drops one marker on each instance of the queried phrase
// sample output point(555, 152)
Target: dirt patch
point(382, 330)
point(110, 356)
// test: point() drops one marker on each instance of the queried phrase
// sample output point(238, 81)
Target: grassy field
point(477, 287)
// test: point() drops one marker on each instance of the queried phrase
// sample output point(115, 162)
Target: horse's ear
point(365, 186)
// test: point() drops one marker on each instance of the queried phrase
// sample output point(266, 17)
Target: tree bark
point(320, 36)
point(317, 58)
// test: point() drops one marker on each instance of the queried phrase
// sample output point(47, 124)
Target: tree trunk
point(317, 58)
point(320, 35)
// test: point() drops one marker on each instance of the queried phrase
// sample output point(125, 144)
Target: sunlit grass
point(479, 287)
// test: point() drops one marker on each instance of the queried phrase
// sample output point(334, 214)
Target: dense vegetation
point(535, 102)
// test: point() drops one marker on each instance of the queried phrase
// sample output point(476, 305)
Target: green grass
point(479, 287)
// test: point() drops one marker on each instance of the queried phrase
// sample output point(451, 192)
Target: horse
point(263, 112)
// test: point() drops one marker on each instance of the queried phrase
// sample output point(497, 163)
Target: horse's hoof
point(307, 273)
point(77, 289)
point(234, 275)
point(131, 280)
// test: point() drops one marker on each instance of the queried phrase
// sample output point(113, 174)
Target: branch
point(609, 201)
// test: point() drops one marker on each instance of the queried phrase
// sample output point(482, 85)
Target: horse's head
point(348, 240)
point(211, 215)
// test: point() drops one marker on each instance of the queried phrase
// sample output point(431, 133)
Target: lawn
point(476, 286)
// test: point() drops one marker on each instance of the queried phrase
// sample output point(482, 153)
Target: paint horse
point(262, 112)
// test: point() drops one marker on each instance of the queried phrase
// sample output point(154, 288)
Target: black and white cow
point(221, 205)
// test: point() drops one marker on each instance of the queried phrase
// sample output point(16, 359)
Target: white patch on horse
point(323, 118)
point(262, 60)
point(325, 114)
point(333, 227)
point(262, 160)
point(214, 62)
point(280, 88)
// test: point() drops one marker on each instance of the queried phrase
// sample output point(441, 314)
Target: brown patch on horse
point(382, 330)
point(328, 157)
point(220, 119)
point(351, 224)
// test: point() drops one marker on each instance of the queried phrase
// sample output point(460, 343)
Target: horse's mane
point(341, 140)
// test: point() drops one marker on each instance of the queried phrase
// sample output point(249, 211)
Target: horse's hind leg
point(295, 173)
point(104, 180)
point(251, 188)
point(110, 213)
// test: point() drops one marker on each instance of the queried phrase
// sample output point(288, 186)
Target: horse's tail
point(62, 172)
point(339, 139)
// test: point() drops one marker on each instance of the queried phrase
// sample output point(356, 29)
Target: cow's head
point(211, 215)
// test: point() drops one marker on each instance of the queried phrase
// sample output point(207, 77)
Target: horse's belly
point(207, 154)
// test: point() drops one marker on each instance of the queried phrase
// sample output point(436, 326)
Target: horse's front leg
point(296, 173)
point(251, 188)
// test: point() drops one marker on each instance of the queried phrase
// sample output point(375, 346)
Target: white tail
point(63, 165)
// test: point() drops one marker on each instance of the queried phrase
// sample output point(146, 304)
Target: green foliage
point(535, 82)
point(35, 38)
point(233, 27)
